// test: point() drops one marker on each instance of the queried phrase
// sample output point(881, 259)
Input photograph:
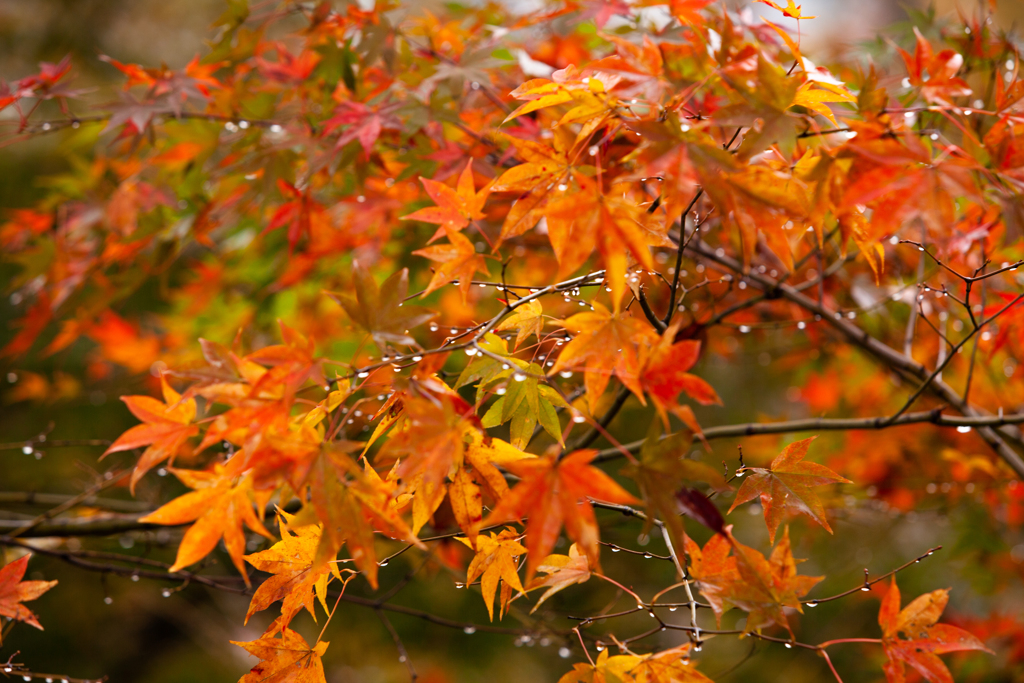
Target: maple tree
point(515, 300)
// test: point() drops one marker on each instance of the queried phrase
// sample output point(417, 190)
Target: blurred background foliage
point(141, 631)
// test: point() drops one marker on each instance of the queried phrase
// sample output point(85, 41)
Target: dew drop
point(383, 563)
point(565, 374)
point(698, 646)
point(744, 329)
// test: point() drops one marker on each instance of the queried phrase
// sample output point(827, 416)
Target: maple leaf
point(752, 199)
point(606, 344)
point(924, 639)
point(295, 574)
point(432, 440)
point(592, 104)
point(661, 471)
point(665, 375)
point(605, 670)
point(220, 505)
point(610, 222)
point(348, 503)
point(455, 208)
point(935, 73)
point(526, 399)
point(526, 319)
point(14, 591)
point(667, 666)
point(167, 427)
point(766, 587)
point(284, 658)
point(786, 486)
point(293, 361)
point(562, 571)
point(554, 491)
point(816, 99)
point(365, 123)
point(379, 310)
point(301, 213)
point(762, 587)
point(495, 561)
point(544, 169)
point(459, 261)
point(791, 9)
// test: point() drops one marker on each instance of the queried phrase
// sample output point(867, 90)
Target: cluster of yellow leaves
point(667, 666)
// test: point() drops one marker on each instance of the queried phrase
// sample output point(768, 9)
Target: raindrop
point(363, 375)
point(383, 563)
point(565, 374)
point(564, 652)
point(469, 630)
point(599, 646)
point(963, 429)
point(417, 359)
point(471, 351)
point(108, 600)
point(433, 327)
point(672, 609)
point(698, 646)
point(453, 331)
point(616, 549)
point(801, 325)
point(166, 592)
point(135, 577)
point(519, 377)
point(866, 589)
point(592, 151)
point(812, 603)
point(27, 449)
point(275, 128)
point(789, 646)
point(744, 329)
point(648, 556)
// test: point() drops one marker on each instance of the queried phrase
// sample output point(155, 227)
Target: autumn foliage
point(491, 296)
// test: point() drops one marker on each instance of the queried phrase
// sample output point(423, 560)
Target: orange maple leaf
point(610, 222)
point(747, 580)
point(14, 591)
point(606, 344)
point(167, 426)
point(791, 9)
point(495, 561)
point(295, 573)
point(459, 261)
point(284, 659)
point(786, 486)
point(455, 208)
point(665, 375)
point(220, 505)
point(554, 491)
point(924, 639)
